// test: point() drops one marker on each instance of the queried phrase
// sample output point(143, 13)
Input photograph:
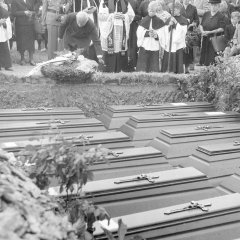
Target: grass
point(91, 98)
point(138, 88)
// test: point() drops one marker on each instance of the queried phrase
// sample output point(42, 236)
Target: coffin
point(220, 221)
point(22, 130)
point(177, 143)
point(169, 187)
point(147, 127)
point(106, 139)
point(130, 161)
point(115, 116)
point(215, 160)
point(41, 113)
point(232, 183)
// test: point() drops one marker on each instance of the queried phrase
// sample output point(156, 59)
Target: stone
point(147, 127)
point(215, 160)
point(125, 195)
point(25, 130)
point(115, 116)
point(232, 183)
point(219, 221)
point(125, 162)
point(40, 114)
point(106, 139)
point(177, 143)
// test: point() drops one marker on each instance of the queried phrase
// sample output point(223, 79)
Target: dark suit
point(80, 37)
point(25, 35)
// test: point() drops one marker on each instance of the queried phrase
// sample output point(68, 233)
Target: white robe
point(148, 43)
point(106, 23)
point(6, 33)
point(178, 37)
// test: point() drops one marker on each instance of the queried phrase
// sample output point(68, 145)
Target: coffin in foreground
point(220, 220)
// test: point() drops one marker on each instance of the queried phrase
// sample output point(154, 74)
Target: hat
point(214, 1)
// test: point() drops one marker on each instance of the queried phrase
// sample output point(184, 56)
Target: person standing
point(52, 13)
point(190, 12)
point(148, 40)
point(5, 35)
point(23, 11)
point(178, 26)
point(115, 35)
point(213, 23)
point(132, 42)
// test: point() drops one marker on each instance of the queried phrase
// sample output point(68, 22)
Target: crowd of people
point(123, 35)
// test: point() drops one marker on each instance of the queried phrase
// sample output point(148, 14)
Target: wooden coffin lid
point(94, 138)
point(159, 107)
point(163, 117)
point(138, 221)
point(39, 125)
point(169, 177)
point(40, 111)
point(220, 148)
point(189, 131)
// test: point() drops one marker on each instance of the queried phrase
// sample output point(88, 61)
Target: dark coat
point(143, 8)
point(229, 32)
point(79, 37)
point(18, 8)
point(190, 13)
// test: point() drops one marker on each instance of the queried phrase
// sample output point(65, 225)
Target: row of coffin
point(158, 169)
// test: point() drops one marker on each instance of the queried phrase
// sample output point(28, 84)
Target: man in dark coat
point(23, 11)
point(80, 31)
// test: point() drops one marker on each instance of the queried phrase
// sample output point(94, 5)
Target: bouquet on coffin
point(66, 67)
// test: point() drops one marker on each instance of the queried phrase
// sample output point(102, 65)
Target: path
point(22, 71)
point(18, 70)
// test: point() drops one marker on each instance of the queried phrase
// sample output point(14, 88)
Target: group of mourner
point(123, 35)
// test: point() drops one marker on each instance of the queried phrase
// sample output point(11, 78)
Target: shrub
point(218, 84)
point(63, 160)
point(66, 73)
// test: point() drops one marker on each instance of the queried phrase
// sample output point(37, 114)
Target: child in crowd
point(232, 34)
point(148, 40)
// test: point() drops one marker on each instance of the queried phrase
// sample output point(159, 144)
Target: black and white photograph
point(119, 120)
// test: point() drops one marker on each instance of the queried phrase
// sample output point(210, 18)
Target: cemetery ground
point(172, 174)
point(16, 91)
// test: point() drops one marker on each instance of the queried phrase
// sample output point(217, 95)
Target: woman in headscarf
point(213, 23)
point(115, 34)
point(5, 35)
